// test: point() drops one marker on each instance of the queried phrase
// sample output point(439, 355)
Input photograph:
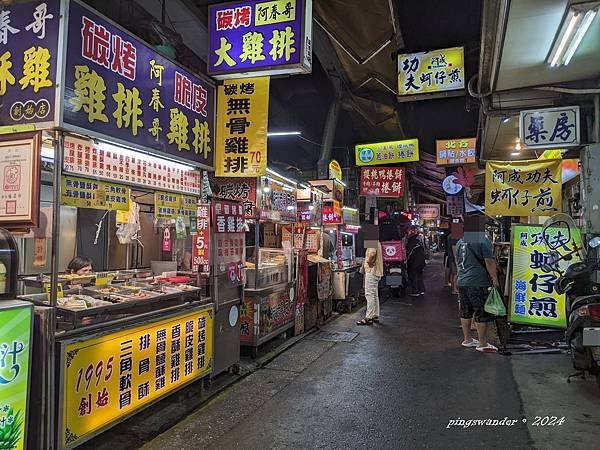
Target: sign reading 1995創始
point(387, 152)
point(260, 38)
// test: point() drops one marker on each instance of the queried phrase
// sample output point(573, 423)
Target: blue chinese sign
point(550, 128)
point(120, 89)
point(262, 37)
point(28, 62)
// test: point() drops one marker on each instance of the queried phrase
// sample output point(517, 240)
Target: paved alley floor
point(397, 385)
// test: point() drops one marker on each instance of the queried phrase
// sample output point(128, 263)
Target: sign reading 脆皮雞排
point(550, 127)
point(272, 37)
point(120, 89)
point(387, 152)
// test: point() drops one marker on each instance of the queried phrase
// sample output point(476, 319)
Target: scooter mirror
point(595, 242)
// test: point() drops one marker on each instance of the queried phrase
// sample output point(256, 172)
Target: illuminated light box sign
point(451, 152)
point(260, 38)
point(550, 127)
point(387, 152)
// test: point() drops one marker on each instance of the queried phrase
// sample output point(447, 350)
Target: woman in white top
point(373, 270)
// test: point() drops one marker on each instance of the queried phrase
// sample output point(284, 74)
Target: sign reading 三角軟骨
point(387, 152)
point(428, 211)
point(382, 181)
point(120, 89)
point(430, 72)
point(523, 188)
point(94, 194)
point(260, 38)
point(534, 300)
point(450, 152)
point(550, 127)
point(28, 65)
point(243, 118)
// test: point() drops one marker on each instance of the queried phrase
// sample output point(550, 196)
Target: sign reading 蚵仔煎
point(387, 152)
point(523, 188)
point(243, 118)
point(451, 152)
point(550, 127)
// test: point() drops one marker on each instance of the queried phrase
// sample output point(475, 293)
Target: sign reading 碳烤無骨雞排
point(260, 38)
point(550, 127)
point(120, 89)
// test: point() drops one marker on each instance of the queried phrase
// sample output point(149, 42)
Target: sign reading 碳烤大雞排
point(260, 38)
point(387, 152)
point(550, 127)
point(430, 72)
point(28, 65)
point(120, 89)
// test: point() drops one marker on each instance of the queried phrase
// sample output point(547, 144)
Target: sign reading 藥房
point(243, 118)
point(550, 128)
point(523, 188)
point(15, 357)
point(382, 181)
point(451, 152)
point(260, 38)
point(120, 89)
point(434, 71)
point(534, 300)
point(387, 152)
point(28, 65)
point(117, 373)
point(428, 211)
point(93, 194)
point(238, 190)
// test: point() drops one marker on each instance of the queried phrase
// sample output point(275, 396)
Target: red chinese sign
point(393, 251)
point(331, 216)
point(228, 217)
point(382, 181)
point(201, 247)
point(239, 190)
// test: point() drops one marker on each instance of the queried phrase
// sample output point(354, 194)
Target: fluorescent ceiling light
point(272, 172)
point(284, 133)
point(515, 154)
point(587, 21)
point(347, 208)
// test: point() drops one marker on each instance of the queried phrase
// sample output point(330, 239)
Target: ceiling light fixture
point(515, 154)
point(518, 147)
point(284, 133)
point(505, 119)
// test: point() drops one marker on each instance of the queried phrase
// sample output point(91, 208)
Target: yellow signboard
point(434, 71)
point(451, 152)
point(335, 170)
point(166, 205)
point(278, 11)
point(242, 120)
point(93, 194)
point(523, 188)
point(114, 375)
point(188, 206)
point(387, 152)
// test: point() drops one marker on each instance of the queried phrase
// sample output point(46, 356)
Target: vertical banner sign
point(228, 227)
point(201, 247)
point(534, 300)
point(119, 88)
point(115, 374)
point(238, 190)
point(15, 356)
point(434, 71)
point(382, 181)
point(28, 65)
point(523, 188)
point(451, 152)
point(550, 128)
point(243, 118)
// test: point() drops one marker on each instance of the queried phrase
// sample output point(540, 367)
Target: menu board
point(93, 194)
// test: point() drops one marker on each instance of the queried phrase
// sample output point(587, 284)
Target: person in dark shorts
point(477, 272)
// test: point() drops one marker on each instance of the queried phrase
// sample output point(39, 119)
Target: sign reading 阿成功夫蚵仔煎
point(120, 89)
point(523, 188)
point(382, 181)
point(387, 152)
point(451, 152)
point(550, 127)
point(272, 37)
point(430, 72)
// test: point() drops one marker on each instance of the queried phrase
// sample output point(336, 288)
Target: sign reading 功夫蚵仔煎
point(243, 118)
point(28, 65)
point(120, 89)
point(523, 188)
point(113, 375)
point(534, 300)
point(550, 127)
point(456, 151)
point(430, 72)
point(268, 37)
point(93, 194)
point(387, 152)
point(15, 356)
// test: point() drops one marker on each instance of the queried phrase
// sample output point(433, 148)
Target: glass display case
point(271, 268)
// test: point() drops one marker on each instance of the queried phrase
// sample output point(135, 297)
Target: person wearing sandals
point(373, 270)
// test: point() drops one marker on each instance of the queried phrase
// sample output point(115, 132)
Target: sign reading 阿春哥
point(450, 152)
point(523, 188)
point(382, 181)
point(429, 72)
point(260, 38)
point(120, 89)
point(243, 118)
point(387, 152)
point(550, 127)
point(534, 300)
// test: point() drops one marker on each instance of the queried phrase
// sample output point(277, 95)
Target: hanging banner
point(387, 152)
point(382, 181)
point(120, 89)
point(393, 251)
point(428, 72)
point(523, 188)
point(201, 246)
point(118, 373)
point(454, 152)
point(534, 300)
point(550, 127)
point(238, 190)
point(166, 205)
point(243, 118)
point(428, 211)
point(260, 38)
point(335, 170)
point(93, 194)
point(28, 65)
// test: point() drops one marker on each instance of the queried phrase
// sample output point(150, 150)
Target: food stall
point(110, 169)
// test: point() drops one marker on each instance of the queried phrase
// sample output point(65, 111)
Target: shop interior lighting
point(272, 172)
point(505, 119)
point(48, 152)
point(284, 133)
point(572, 30)
point(346, 233)
point(347, 208)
